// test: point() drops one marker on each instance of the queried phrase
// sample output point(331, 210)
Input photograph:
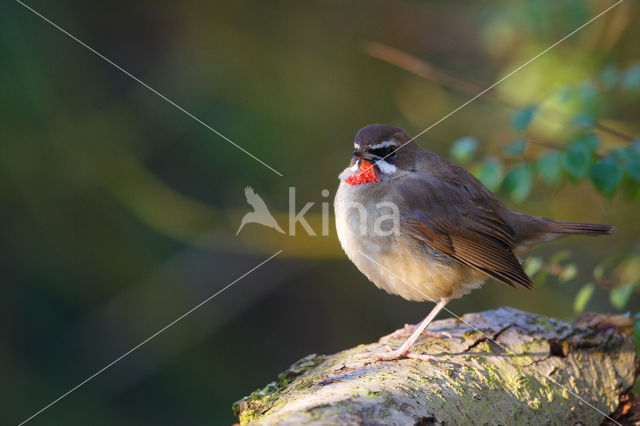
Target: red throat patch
point(366, 173)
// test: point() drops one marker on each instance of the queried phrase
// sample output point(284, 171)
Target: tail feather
point(559, 227)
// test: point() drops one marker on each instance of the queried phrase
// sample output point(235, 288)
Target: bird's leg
point(403, 351)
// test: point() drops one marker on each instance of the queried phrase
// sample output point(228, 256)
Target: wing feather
point(462, 221)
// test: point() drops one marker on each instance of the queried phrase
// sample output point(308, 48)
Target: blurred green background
point(119, 212)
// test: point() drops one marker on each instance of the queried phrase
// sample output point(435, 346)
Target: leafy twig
point(427, 70)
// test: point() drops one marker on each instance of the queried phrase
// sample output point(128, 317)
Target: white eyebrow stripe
point(383, 144)
point(356, 146)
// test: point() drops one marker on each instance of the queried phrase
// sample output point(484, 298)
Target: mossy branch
point(510, 367)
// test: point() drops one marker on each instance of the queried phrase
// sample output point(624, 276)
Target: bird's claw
point(423, 357)
point(437, 334)
point(389, 354)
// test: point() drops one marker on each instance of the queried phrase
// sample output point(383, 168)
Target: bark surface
point(497, 367)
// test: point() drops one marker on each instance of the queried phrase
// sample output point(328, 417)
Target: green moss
point(545, 322)
point(250, 406)
point(304, 383)
point(467, 335)
point(282, 378)
point(482, 381)
point(493, 378)
point(373, 394)
point(261, 400)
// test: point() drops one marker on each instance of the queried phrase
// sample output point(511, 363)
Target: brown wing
point(459, 219)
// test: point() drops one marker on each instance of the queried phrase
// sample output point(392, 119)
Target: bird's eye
point(384, 151)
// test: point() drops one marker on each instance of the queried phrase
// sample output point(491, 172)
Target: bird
point(422, 227)
point(260, 213)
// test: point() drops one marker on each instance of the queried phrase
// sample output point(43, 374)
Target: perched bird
point(421, 227)
point(260, 213)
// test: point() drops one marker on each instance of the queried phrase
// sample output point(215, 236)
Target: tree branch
point(551, 372)
point(424, 69)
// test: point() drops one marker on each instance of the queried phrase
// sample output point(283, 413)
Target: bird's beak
point(365, 155)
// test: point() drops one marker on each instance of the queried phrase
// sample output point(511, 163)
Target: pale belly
point(397, 264)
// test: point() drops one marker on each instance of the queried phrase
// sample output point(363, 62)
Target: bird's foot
point(390, 354)
point(436, 334)
point(423, 357)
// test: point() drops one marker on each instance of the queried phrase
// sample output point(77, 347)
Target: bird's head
point(377, 155)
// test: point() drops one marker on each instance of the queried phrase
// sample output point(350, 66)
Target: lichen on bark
point(496, 367)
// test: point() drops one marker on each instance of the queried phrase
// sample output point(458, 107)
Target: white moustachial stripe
point(386, 168)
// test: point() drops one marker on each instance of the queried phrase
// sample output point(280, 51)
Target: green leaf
point(590, 140)
point(520, 120)
point(620, 156)
point(463, 149)
point(583, 297)
point(550, 167)
point(629, 269)
point(631, 79)
point(636, 335)
point(541, 278)
point(515, 149)
point(619, 296)
point(563, 93)
point(532, 265)
point(606, 265)
point(631, 189)
point(576, 161)
point(518, 183)
point(633, 169)
point(628, 153)
point(559, 257)
point(568, 273)
point(610, 76)
point(490, 173)
point(606, 176)
point(588, 90)
point(584, 120)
